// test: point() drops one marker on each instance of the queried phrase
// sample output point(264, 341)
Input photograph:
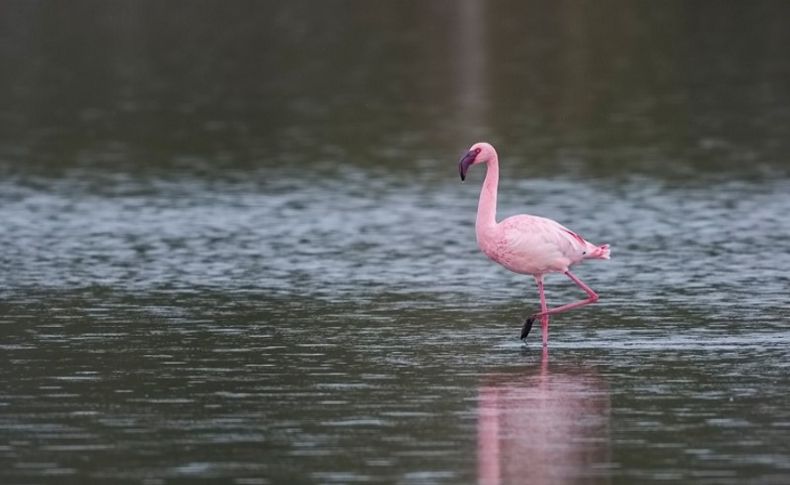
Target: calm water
point(235, 245)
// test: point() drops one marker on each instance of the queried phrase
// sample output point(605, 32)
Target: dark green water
point(234, 246)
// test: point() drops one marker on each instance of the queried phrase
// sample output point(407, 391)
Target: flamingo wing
point(539, 245)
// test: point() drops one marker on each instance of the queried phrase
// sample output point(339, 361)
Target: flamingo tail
point(601, 252)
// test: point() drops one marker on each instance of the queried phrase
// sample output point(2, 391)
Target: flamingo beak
point(465, 163)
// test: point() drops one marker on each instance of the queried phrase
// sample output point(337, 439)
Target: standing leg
point(592, 297)
point(544, 319)
point(544, 308)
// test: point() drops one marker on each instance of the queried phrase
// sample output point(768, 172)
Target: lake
point(235, 246)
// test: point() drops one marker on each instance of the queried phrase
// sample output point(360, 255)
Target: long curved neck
point(486, 208)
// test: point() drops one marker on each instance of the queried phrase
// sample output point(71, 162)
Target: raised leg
point(527, 327)
point(592, 297)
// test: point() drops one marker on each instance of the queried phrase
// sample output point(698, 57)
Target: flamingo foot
point(527, 327)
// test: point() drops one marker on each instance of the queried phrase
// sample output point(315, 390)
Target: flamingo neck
point(486, 208)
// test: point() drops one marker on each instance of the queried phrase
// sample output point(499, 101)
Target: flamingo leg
point(592, 298)
point(544, 319)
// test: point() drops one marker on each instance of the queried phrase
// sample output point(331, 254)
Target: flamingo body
point(527, 244)
point(536, 245)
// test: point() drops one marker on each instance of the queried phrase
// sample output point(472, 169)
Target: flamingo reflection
point(547, 425)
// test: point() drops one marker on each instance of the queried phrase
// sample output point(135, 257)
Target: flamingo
point(528, 244)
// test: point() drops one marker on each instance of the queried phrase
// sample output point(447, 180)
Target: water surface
point(235, 245)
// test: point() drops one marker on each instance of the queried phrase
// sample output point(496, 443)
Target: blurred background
point(603, 88)
point(235, 245)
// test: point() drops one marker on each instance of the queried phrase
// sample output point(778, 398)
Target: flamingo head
point(478, 153)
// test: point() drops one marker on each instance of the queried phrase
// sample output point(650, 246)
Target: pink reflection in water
point(543, 426)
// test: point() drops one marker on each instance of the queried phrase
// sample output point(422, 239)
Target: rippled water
point(284, 330)
point(192, 291)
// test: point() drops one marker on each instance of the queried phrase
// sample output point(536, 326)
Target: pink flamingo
point(527, 244)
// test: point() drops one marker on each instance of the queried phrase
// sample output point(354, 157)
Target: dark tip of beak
point(465, 163)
